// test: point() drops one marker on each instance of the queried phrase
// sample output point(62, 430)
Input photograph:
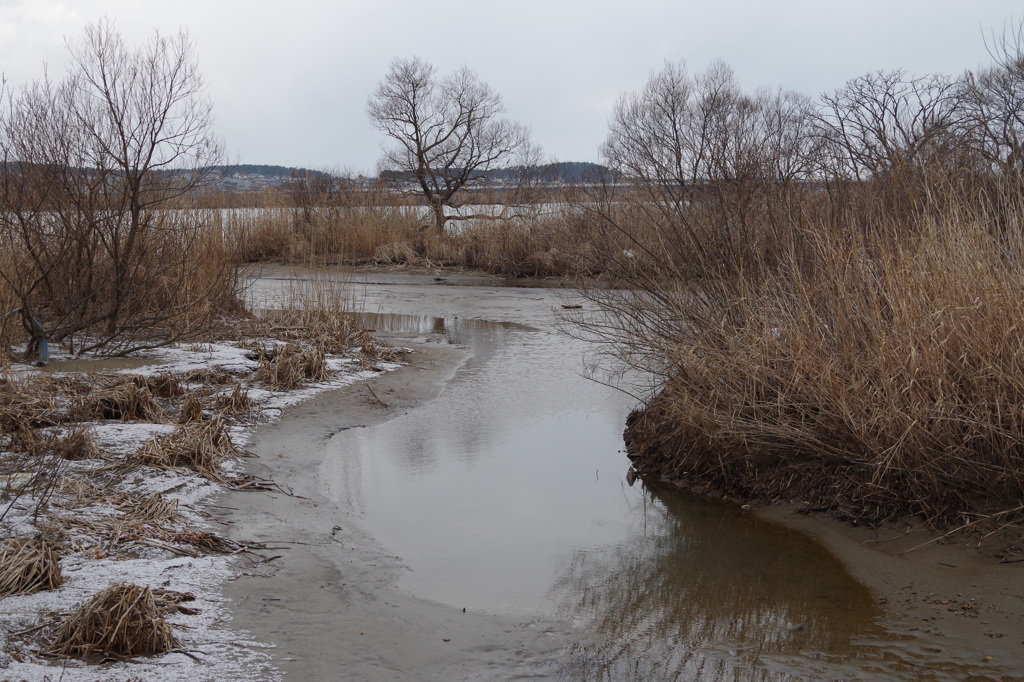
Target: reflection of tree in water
point(710, 593)
point(493, 383)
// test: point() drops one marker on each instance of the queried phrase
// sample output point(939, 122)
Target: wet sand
point(954, 598)
point(329, 601)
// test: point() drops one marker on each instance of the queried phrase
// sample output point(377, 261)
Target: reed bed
point(122, 620)
point(529, 243)
point(874, 373)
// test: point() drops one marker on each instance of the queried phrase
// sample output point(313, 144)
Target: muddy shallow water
point(507, 494)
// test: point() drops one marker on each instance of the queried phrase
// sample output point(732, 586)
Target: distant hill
point(264, 170)
point(563, 172)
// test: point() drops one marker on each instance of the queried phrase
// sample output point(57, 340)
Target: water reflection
point(702, 587)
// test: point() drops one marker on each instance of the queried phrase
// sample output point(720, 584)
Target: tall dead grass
point(876, 373)
point(366, 227)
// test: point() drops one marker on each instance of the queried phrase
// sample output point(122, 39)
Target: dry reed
point(28, 566)
point(289, 366)
point(122, 620)
point(155, 509)
point(236, 404)
point(200, 446)
point(191, 410)
point(128, 401)
point(27, 403)
point(77, 443)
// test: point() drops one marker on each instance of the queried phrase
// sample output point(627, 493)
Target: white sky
point(289, 78)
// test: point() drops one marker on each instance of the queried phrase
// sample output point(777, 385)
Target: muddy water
point(507, 493)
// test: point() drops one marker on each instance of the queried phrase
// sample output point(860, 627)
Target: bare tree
point(448, 132)
point(92, 165)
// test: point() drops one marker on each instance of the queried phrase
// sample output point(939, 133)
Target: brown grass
point(191, 410)
point(289, 366)
point(362, 227)
point(122, 620)
point(76, 444)
point(208, 376)
point(28, 566)
point(155, 509)
point(236, 404)
point(164, 385)
point(200, 446)
point(873, 373)
point(127, 401)
point(27, 403)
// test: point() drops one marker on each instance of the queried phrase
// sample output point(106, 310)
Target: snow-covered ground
point(95, 554)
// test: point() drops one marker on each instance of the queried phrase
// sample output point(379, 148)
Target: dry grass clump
point(77, 443)
point(28, 566)
point(236, 404)
point(395, 253)
point(314, 310)
point(122, 620)
point(163, 385)
point(191, 410)
point(27, 403)
point(200, 446)
point(206, 375)
point(289, 366)
point(372, 349)
point(155, 509)
point(126, 401)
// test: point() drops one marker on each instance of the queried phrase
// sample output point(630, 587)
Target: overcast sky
point(289, 78)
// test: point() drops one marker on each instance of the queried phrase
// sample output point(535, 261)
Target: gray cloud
point(289, 80)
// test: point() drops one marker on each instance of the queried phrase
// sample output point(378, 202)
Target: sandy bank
point(951, 596)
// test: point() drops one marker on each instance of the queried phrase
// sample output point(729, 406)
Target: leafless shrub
point(92, 165)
